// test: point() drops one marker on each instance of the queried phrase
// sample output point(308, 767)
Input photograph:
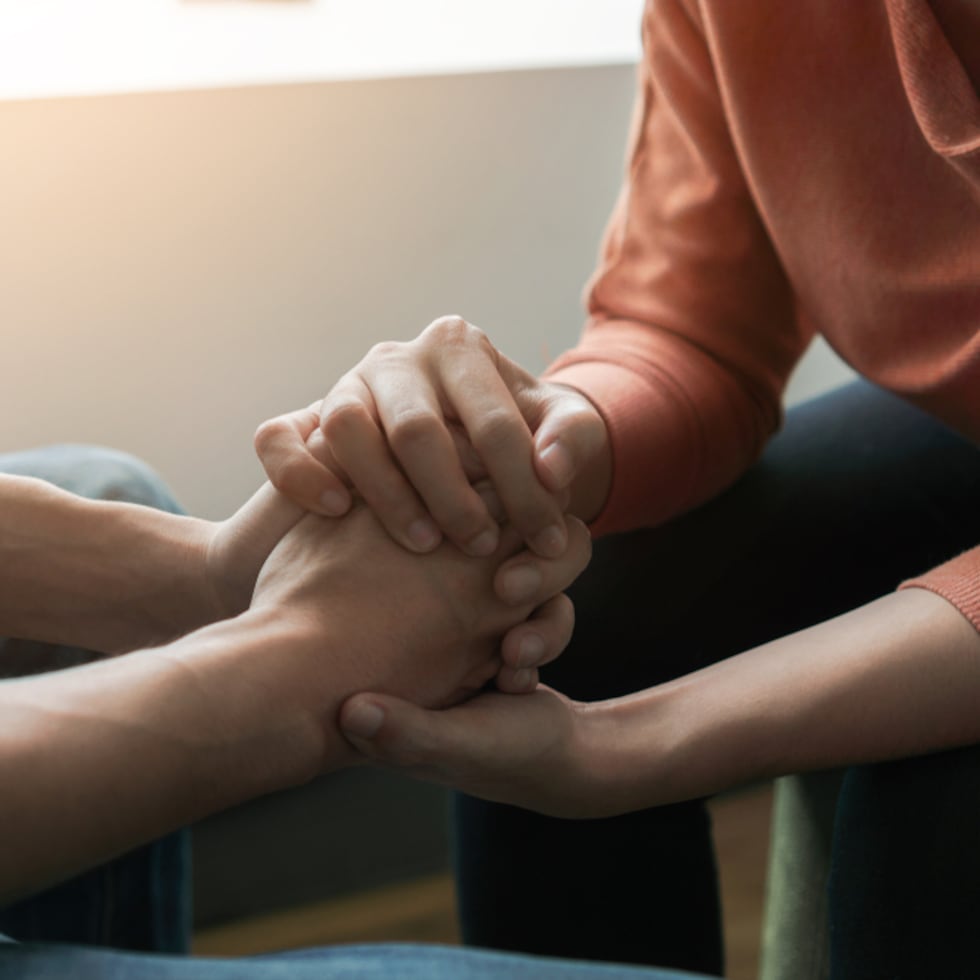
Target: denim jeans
point(859, 491)
point(139, 904)
point(390, 961)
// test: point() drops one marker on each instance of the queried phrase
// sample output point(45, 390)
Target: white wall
point(177, 267)
point(61, 47)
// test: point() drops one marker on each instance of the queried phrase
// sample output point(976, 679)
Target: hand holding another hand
point(413, 425)
point(423, 627)
point(530, 751)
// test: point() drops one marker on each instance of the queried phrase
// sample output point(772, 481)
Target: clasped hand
point(425, 627)
point(413, 431)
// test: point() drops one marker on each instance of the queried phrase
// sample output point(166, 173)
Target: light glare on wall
point(77, 47)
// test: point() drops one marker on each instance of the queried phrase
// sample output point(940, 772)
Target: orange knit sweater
point(794, 168)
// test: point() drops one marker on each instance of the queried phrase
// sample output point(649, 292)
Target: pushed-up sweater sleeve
point(692, 330)
point(957, 581)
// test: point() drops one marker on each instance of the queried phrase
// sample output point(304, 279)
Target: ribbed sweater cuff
point(957, 581)
point(652, 464)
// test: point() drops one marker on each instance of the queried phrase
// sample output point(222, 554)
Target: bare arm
point(103, 575)
point(99, 759)
point(898, 677)
point(114, 577)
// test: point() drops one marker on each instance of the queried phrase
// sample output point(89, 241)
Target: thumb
point(397, 733)
point(572, 433)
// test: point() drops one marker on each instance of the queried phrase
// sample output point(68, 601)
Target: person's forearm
point(99, 759)
point(898, 677)
point(106, 576)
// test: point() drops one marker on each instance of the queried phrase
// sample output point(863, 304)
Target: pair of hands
point(471, 463)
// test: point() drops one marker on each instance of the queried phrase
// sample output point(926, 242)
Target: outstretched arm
point(898, 677)
point(99, 759)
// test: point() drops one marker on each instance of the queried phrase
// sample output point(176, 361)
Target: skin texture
point(898, 677)
point(228, 702)
point(114, 577)
point(414, 425)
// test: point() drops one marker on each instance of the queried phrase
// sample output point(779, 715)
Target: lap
point(96, 472)
point(904, 880)
point(407, 962)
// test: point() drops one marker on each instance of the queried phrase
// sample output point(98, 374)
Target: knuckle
point(386, 350)
point(585, 550)
point(344, 419)
point(564, 617)
point(291, 477)
point(497, 431)
point(412, 430)
point(453, 330)
point(566, 608)
point(268, 433)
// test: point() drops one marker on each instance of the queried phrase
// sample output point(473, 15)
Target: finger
point(529, 578)
point(490, 500)
point(571, 434)
point(542, 637)
point(292, 468)
point(469, 459)
point(503, 441)
point(517, 680)
point(398, 733)
point(320, 450)
point(480, 386)
point(415, 426)
point(352, 432)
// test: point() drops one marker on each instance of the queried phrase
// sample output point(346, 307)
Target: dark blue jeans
point(858, 492)
point(390, 961)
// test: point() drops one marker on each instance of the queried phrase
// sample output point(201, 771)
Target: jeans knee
point(96, 472)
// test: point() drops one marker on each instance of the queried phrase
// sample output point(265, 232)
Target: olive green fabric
point(794, 935)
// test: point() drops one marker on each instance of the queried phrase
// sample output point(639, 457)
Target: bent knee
point(96, 472)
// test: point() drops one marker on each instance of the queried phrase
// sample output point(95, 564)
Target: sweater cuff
point(653, 465)
point(957, 581)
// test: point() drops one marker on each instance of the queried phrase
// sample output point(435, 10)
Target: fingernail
point(363, 720)
point(521, 584)
point(557, 460)
point(530, 650)
point(424, 534)
point(550, 543)
point(485, 543)
point(522, 678)
point(334, 502)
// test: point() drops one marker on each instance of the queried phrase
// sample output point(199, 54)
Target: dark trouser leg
point(905, 870)
point(141, 901)
point(858, 492)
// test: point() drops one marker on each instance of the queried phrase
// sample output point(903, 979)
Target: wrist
point(631, 746)
point(265, 709)
point(166, 587)
point(674, 742)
